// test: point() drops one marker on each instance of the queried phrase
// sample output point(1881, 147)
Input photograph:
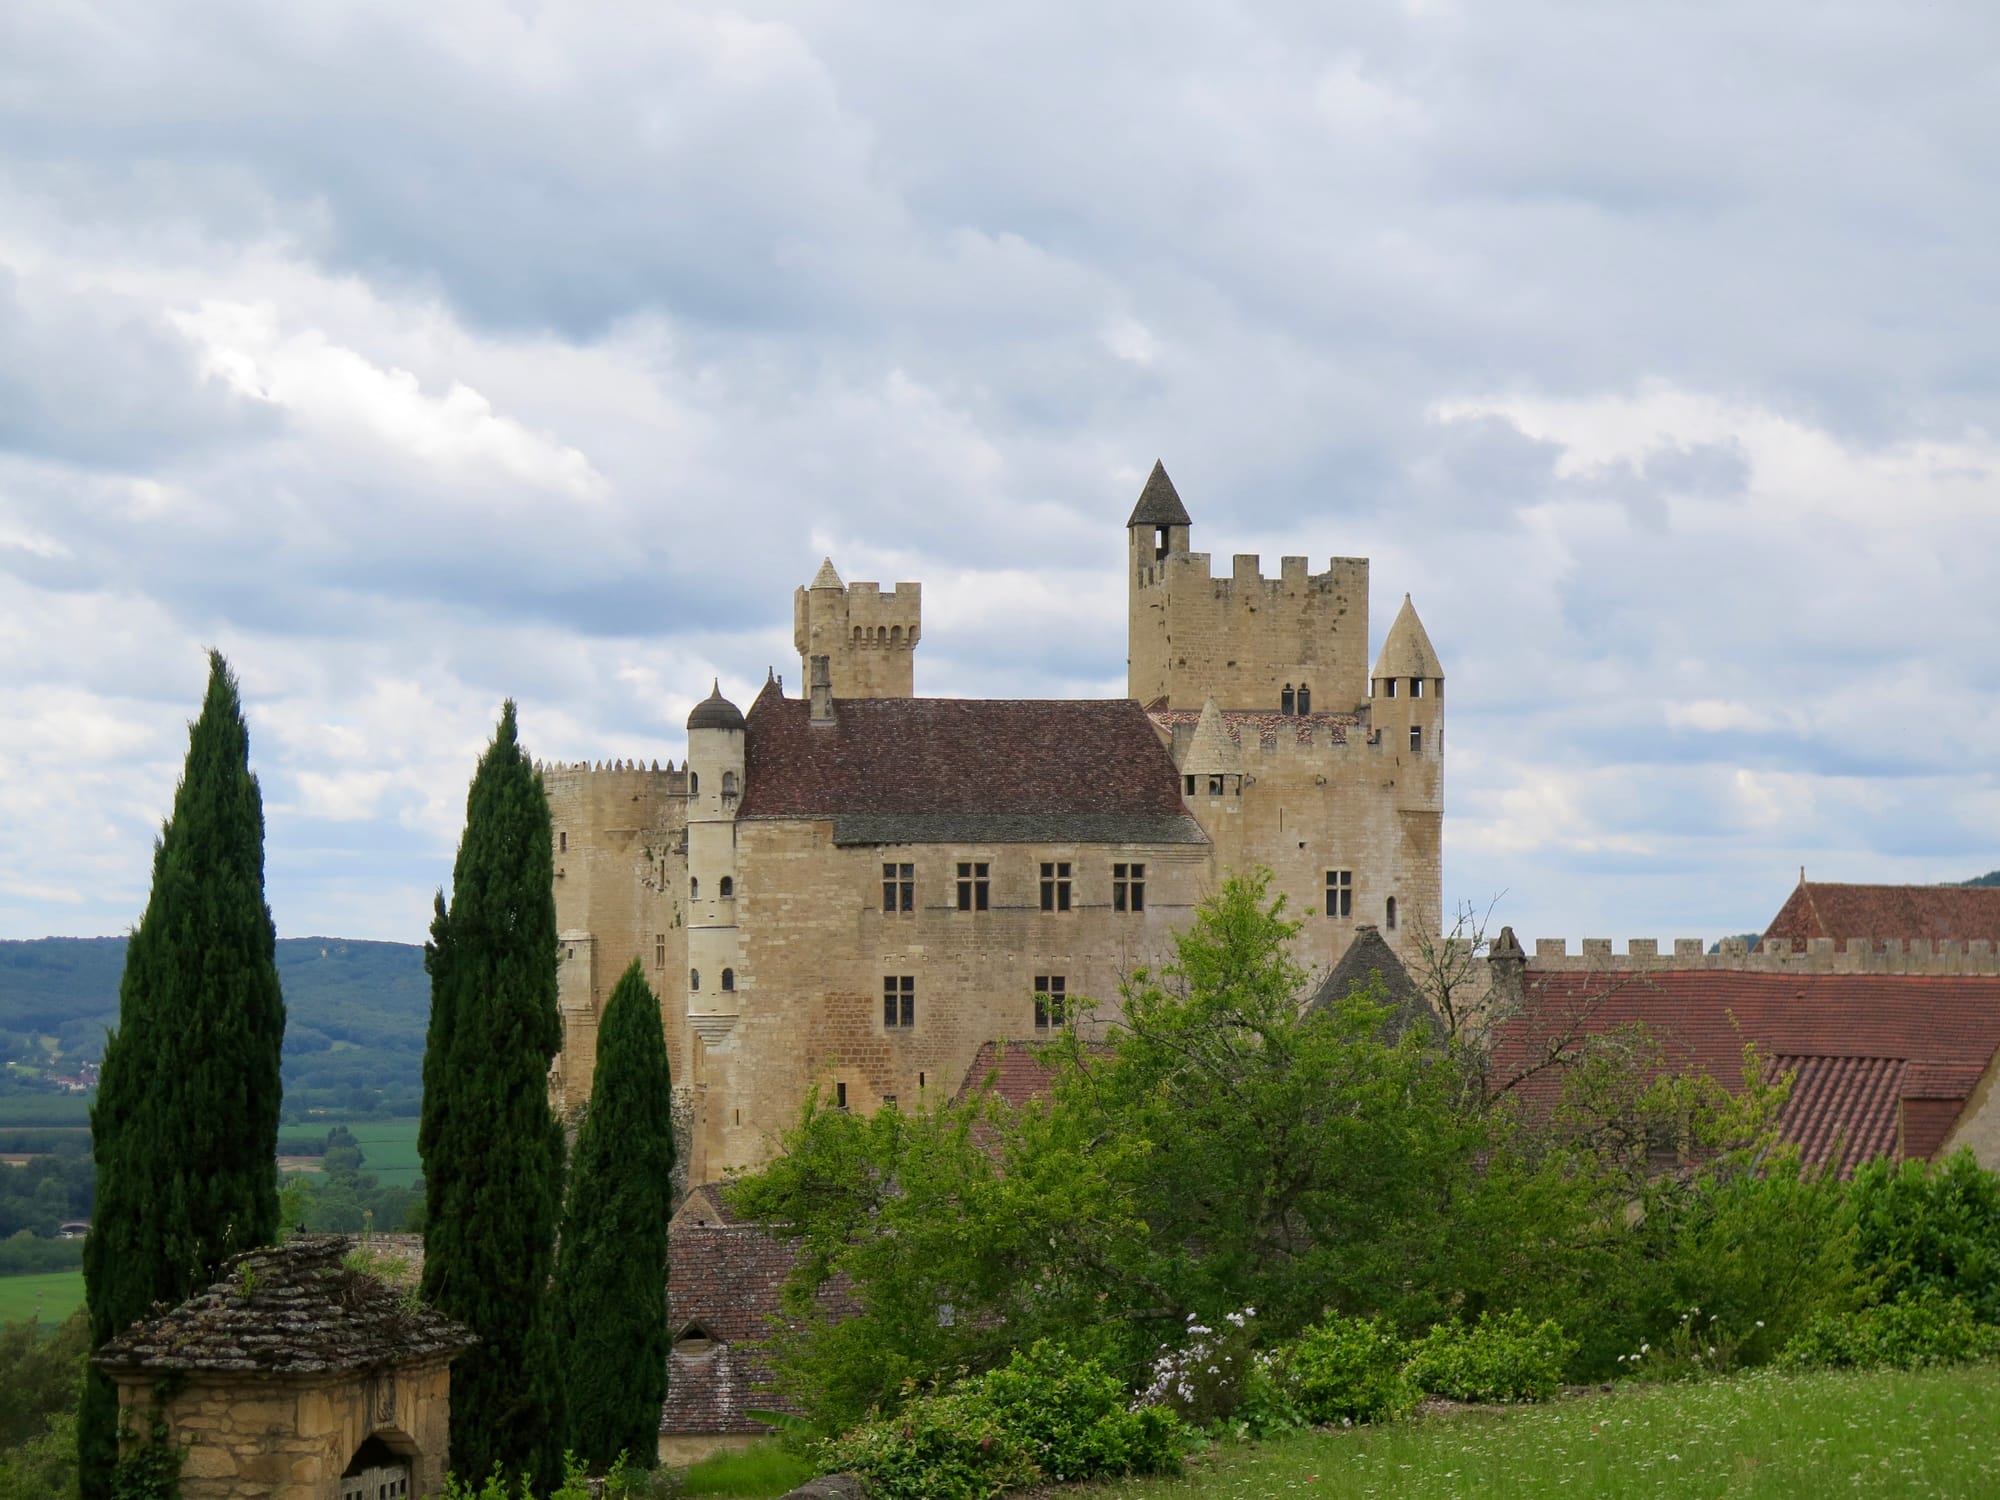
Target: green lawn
point(1935, 1433)
point(388, 1147)
point(51, 1295)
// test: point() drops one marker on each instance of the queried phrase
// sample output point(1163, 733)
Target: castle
point(859, 887)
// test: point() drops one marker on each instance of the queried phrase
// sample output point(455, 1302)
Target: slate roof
point(715, 712)
point(1887, 1061)
point(966, 770)
point(726, 1280)
point(1159, 502)
point(288, 1309)
point(1826, 909)
point(1369, 957)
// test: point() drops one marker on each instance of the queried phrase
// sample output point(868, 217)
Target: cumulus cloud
point(419, 356)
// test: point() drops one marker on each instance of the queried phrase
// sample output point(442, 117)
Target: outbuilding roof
point(288, 1309)
point(1887, 913)
point(966, 770)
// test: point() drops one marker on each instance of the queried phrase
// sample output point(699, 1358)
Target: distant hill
point(355, 1014)
point(1991, 877)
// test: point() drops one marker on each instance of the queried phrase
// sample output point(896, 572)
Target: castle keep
point(858, 888)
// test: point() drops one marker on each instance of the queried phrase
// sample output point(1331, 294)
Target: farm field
point(58, 1293)
point(1931, 1433)
point(388, 1147)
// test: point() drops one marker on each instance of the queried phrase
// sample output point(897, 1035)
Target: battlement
point(565, 770)
point(1778, 956)
point(1246, 574)
point(866, 633)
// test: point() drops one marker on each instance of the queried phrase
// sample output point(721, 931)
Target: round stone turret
point(715, 712)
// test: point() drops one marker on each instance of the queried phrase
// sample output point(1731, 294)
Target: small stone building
point(295, 1378)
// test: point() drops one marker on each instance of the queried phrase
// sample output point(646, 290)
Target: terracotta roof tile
point(925, 770)
point(1881, 913)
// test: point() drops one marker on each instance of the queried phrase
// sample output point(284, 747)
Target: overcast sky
point(419, 355)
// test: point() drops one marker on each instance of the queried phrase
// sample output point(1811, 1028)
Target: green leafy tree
point(611, 1278)
point(186, 1120)
point(492, 1149)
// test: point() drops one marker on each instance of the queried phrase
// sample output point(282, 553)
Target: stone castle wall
point(869, 637)
point(1245, 638)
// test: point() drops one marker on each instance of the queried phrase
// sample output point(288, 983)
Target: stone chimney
point(1507, 962)
point(822, 690)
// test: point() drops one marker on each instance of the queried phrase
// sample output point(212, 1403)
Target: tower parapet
point(868, 636)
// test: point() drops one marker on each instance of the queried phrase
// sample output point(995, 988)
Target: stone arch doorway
point(376, 1472)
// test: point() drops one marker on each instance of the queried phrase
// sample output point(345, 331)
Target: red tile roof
point(1882, 1059)
point(1013, 1070)
point(1823, 909)
point(949, 769)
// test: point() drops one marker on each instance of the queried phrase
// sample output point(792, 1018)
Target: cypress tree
point(491, 1147)
point(185, 1127)
point(611, 1281)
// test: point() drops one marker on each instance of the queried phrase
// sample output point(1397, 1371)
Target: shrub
point(1917, 1329)
point(1932, 1227)
point(1503, 1357)
point(1348, 1370)
point(1042, 1416)
point(1205, 1381)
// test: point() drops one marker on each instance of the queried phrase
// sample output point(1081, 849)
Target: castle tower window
point(1416, 739)
point(659, 950)
point(694, 887)
point(1128, 887)
point(1416, 687)
point(1051, 990)
point(727, 888)
point(1190, 785)
point(1390, 684)
point(899, 1001)
point(1340, 893)
point(1305, 699)
point(1055, 885)
point(694, 979)
point(973, 885)
point(728, 785)
point(1389, 914)
point(694, 785)
point(729, 978)
point(1285, 700)
point(1160, 537)
point(1215, 786)
point(899, 888)
point(562, 843)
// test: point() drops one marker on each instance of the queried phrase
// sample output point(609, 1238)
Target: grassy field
point(58, 1293)
point(1935, 1433)
point(388, 1147)
point(755, 1473)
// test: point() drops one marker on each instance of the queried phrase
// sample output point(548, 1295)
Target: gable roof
point(288, 1309)
point(966, 770)
point(1887, 913)
point(1369, 958)
point(1159, 502)
point(1013, 1070)
point(1886, 1062)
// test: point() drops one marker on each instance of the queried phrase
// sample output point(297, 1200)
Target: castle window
point(729, 977)
point(694, 887)
point(659, 950)
point(1285, 700)
point(694, 785)
point(1305, 699)
point(1159, 542)
point(972, 885)
point(728, 785)
point(1416, 739)
point(727, 888)
point(1051, 991)
point(1055, 885)
point(1128, 887)
point(694, 979)
point(1190, 786)
point(1390, 684)
point(899, 1001)
point(1416, 687)
point(899, 888)
point(1215, 786)
point(840, 1096)
point(562, 843)
point(1389, 914)
point(1340, 893)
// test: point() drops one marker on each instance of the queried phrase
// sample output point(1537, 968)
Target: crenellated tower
point(869, 638)
point(1248, 641)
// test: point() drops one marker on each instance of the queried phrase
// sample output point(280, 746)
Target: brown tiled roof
point(1014, 1071)
point(726, 1280)
point(288, 1309)
point(941, 770)
point(1264, 728)
point(1823, 909)
point(1872, 1049)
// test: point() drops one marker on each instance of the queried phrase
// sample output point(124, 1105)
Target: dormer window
point(693, 1339)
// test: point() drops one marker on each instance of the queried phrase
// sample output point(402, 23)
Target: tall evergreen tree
point(611, 1279)
point(185, 1128)
point(491, 1147)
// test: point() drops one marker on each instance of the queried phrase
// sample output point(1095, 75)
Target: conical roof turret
point(825, 578)
point(715, 712)
point(1408, 651)
point(1211, 751)
point(1159, 503)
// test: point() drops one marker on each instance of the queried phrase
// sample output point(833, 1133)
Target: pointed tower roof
point(826, 578)
point(1211, 751)
point(1159, 503)
point(1370, 958)
point(1408, 651)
